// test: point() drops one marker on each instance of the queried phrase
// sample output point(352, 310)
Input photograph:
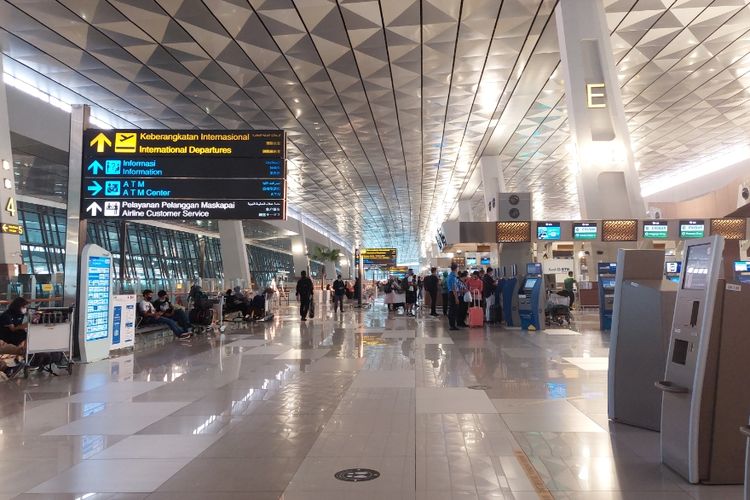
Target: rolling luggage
point(476, 313)
point(201, 317)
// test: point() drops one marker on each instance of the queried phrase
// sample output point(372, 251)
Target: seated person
point(151, 316)
point(258, 306)
point(12, 325)
point(164, 306)
point(234, 303)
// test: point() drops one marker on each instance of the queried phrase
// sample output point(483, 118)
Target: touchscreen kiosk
point(510, 284)
point(95, 303)
point(705, 395)
point(641, 323)
point(673, 270)
point(531, 298)
point(607, 274)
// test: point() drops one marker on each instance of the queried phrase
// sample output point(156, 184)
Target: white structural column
point(608, 185)
point(10, 244)
point(234, 253)
point(465, 213)
point(493, 183)
point(299, 251)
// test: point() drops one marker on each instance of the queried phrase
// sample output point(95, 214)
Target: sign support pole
point(75, 230)
point(358, 263)
point(123, 246)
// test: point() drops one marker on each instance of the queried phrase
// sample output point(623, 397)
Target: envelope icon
point(125, 142)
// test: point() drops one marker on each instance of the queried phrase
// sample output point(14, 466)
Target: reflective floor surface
point(275, 410)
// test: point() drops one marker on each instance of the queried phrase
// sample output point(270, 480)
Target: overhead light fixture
point(6, 165)
point(8, 183)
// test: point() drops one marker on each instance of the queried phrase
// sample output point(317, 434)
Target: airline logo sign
point(184, 174)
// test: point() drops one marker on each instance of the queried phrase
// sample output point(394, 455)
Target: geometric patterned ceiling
point(389, 104)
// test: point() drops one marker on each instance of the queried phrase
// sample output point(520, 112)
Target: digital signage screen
point(692, 229)
point(655, 230)
point(485, 261)
point(97, 303)
point(548, 230)
point(471, 261)
point(605, 268)
point(585, 231)
point(534, 268)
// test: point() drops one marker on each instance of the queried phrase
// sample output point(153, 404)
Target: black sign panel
point(179, 174)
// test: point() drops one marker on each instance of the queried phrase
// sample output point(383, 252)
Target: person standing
point(445, 292)
point(463, 304)
point(568, 286)
point(431, 283)
point(410, 289)
point(489, 285)
point(339, 290)
point(454, 298)
point(304, 294)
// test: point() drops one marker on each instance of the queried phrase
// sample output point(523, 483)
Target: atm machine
point(531, 298)
point(510, 297)
point(641, 324)
point(607, 275)
point(742, 271)
point(706, 397)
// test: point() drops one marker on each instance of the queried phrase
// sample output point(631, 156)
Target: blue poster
point(116, 321)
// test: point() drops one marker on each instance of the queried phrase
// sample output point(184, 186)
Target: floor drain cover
point(357, 475)
point(480, 387)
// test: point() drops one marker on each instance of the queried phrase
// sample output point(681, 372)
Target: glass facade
point(154, 256)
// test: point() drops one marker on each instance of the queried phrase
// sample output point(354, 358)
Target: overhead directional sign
point(379, 256)
point(184, 174)
point(11, 229)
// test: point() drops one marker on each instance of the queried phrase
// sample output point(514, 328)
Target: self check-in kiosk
point(510, 297)
point(641, 324)
point(706, 397)
point(607, 275)
point(531, 297)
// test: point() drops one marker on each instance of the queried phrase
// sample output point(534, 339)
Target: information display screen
point(696, 267)
point(692, 229)
point(548, 230)
point(655, 230)
point(742, 271)
point(97, 301)
point(674, 267)
point(379, 256)
point(485, 261)
point(184, 174)
point(534, 268)
point(585, 231)
point(471, 261)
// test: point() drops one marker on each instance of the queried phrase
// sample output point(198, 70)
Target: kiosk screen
point(696, 267)
point(534, 268)
point(742, 271)
point(530, 283)
point(608, 283)
point(674, 267)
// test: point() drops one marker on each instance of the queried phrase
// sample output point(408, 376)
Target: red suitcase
point(476, 313)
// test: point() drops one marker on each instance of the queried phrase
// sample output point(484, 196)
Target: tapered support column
point(234, 254)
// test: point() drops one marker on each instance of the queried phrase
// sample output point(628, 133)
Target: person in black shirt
point(339, 289)
point(431, 284)
point(304, 293)
point(12, 325)
point(489, 285)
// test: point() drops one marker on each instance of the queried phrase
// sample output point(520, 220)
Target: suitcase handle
point(476, 298)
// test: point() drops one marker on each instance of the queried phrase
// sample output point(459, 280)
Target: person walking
point(339, 290)
point(568, 287)
point(431, 283)
point(452, 283)
point(304, 294)
point(489, 285)
point(409, 285)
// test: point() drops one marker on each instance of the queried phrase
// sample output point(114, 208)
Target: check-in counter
point(588, 294)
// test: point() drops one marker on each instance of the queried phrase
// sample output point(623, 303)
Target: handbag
point(467, 297)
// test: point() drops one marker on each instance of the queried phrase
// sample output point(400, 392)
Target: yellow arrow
point(5, 228)
point(100, 140)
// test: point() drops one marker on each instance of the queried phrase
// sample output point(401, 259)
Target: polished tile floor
point(275, 410)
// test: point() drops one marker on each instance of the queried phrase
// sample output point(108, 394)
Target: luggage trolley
point(50, 331)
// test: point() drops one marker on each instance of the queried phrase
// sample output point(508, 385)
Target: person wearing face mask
point(150, 315)
point(12, 325)
point(163, 305)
